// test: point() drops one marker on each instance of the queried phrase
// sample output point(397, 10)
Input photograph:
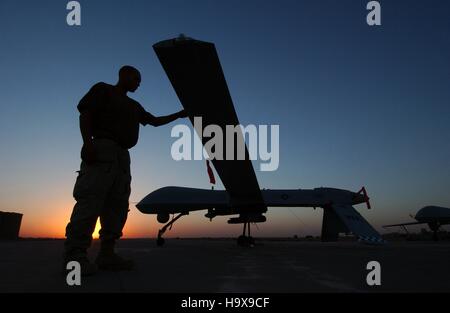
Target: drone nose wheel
point(160, 240)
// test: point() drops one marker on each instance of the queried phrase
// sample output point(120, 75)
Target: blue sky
point(356, 105)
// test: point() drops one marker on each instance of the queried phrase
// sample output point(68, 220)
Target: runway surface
point(202, 265)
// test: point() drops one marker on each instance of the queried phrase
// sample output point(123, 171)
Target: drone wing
point(194, 69)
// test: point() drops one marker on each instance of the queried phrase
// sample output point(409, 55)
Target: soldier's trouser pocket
point(93, 180)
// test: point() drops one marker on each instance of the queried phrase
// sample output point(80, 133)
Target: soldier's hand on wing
point(88, 152)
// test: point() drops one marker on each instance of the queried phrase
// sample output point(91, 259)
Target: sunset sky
point(356, 105)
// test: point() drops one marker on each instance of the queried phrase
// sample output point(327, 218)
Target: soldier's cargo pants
point(102, 189)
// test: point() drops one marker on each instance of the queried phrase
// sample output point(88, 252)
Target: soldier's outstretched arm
point(163, 120)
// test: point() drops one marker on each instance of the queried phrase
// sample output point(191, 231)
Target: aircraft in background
point(194, 70)
point(434, 216)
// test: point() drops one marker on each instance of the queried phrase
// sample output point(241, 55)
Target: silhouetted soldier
point(109, 124)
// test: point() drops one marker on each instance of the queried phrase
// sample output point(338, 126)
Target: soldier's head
point(129, 78)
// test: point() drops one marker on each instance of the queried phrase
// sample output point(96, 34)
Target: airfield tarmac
point(219, 265)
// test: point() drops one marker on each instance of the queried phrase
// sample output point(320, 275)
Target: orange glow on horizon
point(95, 235)
point(50, 220)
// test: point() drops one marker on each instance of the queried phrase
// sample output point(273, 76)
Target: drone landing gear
point(246, 241)
point(160, 240)
point(435, 229)
point(435, 235)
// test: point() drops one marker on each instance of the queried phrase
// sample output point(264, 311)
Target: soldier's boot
point(108, 260)
point(86, 267)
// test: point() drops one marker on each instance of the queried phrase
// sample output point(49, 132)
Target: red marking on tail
point(364, 192)
point(212, 180)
